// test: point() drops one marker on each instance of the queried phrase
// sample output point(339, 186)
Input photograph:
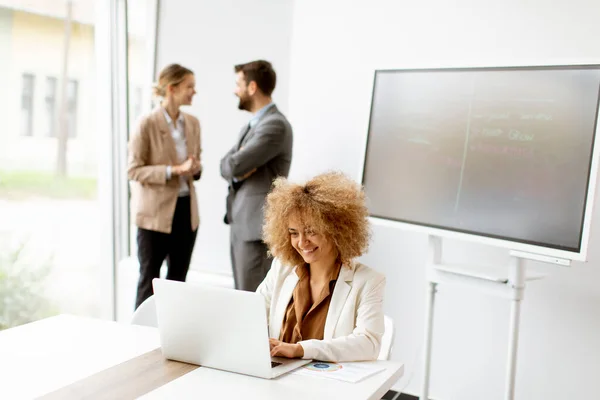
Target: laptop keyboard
point(275, 364)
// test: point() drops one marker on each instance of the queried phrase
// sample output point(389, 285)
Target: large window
point(50, 236)
point(57, 174)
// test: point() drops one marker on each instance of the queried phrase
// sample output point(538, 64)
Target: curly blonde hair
point(331, 203)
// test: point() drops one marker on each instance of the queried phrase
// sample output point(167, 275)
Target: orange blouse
point(305, 320)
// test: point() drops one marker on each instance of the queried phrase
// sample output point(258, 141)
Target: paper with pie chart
point(347, 372)
point(323, 366)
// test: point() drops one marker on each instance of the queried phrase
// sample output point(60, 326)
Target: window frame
point(112, 40)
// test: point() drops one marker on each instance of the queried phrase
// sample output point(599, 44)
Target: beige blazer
point(151, 150)
point(354, 324)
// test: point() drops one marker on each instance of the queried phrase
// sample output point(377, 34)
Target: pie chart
point(323, 366)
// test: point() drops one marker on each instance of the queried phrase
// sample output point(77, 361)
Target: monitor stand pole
point(511, 287)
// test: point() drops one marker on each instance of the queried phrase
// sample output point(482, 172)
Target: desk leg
point(428, 340)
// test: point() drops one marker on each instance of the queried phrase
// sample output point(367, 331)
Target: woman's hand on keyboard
point(288, 350)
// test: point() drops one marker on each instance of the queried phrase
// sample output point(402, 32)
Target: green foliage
point(22, 184)
point(22, 285)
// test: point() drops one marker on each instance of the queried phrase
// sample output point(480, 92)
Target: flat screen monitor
point(505, 155)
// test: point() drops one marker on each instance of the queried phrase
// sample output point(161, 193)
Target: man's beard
point(245, 103)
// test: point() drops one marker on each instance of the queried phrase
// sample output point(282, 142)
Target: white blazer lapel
point(338, 299)
point(287, 289)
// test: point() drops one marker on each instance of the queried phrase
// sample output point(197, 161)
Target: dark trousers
point(250, 262)
point(176, 247)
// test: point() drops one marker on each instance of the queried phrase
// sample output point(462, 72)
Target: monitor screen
point(496, 152)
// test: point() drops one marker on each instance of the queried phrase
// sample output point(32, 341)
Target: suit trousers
point(250, 262)
point(176, 247)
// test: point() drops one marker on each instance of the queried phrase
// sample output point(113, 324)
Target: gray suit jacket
point(268, 148)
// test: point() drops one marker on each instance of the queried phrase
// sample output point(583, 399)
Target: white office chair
point(387, 340)
point(145, 314)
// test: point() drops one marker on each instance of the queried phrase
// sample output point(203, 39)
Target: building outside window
point(50, 100)
point(72, 89)
point(27, 94)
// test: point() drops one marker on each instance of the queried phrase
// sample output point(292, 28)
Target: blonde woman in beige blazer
point(321, 303)
point(164, 161)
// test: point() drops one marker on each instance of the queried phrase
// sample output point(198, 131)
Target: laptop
point(218, 328)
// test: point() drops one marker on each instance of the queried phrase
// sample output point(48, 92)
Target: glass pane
point(141, 19)
point(49, 209)
point(141, 23)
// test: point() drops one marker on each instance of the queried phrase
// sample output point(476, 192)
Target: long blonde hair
point(172, 74)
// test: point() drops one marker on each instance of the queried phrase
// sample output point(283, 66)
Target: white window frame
point(112, 88)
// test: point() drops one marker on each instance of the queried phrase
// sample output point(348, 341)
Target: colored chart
point(323, 367)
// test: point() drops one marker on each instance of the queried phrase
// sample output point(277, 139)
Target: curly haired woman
point(321, 303)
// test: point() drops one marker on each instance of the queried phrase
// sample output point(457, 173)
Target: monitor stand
point(509, 284)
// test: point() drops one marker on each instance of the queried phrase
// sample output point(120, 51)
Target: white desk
point(72, 352)
point(46, 355)
point(217, 384)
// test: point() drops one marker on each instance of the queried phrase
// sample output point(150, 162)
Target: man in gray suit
point(262, 152)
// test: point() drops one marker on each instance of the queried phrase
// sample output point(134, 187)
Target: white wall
point(210, 37)
point(325, 84)
point(336, 45)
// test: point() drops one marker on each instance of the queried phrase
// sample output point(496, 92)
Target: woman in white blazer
point(321, 303)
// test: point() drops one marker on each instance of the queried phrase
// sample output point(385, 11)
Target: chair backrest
point(387, 340)
point(145, 314)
